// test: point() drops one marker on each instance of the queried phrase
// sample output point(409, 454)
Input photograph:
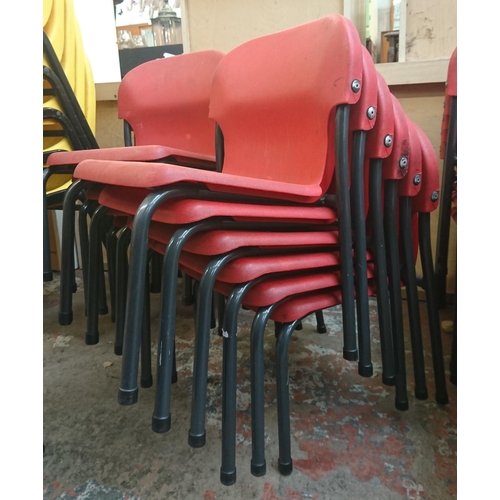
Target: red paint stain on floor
point(209, 495)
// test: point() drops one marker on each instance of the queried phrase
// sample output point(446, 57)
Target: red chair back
point(166, 101)
point(274, 99)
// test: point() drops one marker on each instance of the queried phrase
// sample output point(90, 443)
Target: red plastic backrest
point(166, 101)
point(384, 125)
point(363, 114)
point(274, 98)
point(410, 184)
point(394, 166)
point(427, 199)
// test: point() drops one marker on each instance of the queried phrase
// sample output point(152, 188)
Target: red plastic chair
point(379, 145)
point(165, 103)
point(423, 204)
point(448, 205)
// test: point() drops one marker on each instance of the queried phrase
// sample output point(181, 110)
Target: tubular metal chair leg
point(285, 464)
point(161, 420)
point(453, 360)
point(103, 303)
point(129, 391)
point(428, 278)
point(394, 273)
point(344, 216)
point(200, 365)
point(220, 303)
point(85, 213)
point(146, 374)
point(258, 463)
point(111, 242)
point(121, 286)
point(320, 322)
point(47, 266)
point(410, 281)
point(230, 327)
point(187, 290)
point(156, 262)
point(381, 273)
point(67, 260)
point(94, 275)
point(365, 366)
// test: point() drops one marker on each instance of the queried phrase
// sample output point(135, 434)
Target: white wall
point(97, 24)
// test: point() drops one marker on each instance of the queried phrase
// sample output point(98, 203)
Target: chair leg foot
point(161, 425)
point(65, 318)
point(285, 469)
point(258, 470)
point(127, 398)
point(422, 395)
point(350, 355)
point(228, 478)
point(197, 441)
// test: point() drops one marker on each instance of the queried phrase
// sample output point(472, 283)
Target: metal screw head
point(417, 179)
point(403, 162)
point(434, 196)
point(356, 86)
point(371, 113)
point(388, 141)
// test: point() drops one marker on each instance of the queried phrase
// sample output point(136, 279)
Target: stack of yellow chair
point(67, 61)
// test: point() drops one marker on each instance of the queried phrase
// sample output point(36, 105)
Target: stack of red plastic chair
point(304, 120)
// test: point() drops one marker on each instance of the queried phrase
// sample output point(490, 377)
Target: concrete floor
point(348, 440)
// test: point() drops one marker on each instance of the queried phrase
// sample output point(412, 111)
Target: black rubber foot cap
point(258, 470)
point(365, 371)
point(92, 339)
point(453, 378)
point(118, 350)
point(103, 311)
point(391, 381)
point(161, 425)
point(228, 478)
point(285, 469)
point(146, 382)
point(351, 355)
point(422, 395)
point(442, 399)
point(128, 398)
point(321, 329)
point(74, 288)
point(196, 441)
point(48, 276)
point(402, 405)
point(65, 318)
point(187, 301)
point(174, 377)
